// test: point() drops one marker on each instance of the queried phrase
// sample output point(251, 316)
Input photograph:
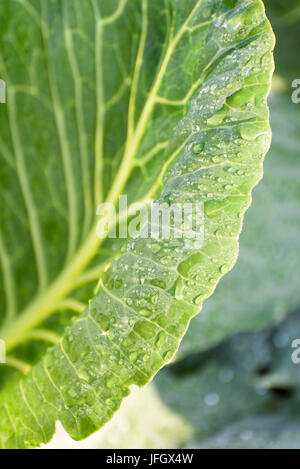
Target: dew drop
point(198, 148)
point(199, 299)
point(168, 355)
point(212, 399)
point(158, 283)
point(223, 269)
point(145, 312)
point(133, 357)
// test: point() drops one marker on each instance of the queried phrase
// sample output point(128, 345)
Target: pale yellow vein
point(99, 136)
point(35, 228)
point(9, 281)
point(84, 157)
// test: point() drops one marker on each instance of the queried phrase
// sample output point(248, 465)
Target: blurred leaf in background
point(243, 394)
point(285, 18)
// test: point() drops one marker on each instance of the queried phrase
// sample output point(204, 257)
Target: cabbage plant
point(158, 100)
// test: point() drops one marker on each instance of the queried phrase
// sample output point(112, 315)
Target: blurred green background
point(234, 384)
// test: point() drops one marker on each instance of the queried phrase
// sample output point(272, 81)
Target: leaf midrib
point(46, 303)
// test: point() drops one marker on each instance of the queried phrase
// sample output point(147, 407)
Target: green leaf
point(242, 394)
point(263, 287)
point(143, 421)
point(155, 100)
